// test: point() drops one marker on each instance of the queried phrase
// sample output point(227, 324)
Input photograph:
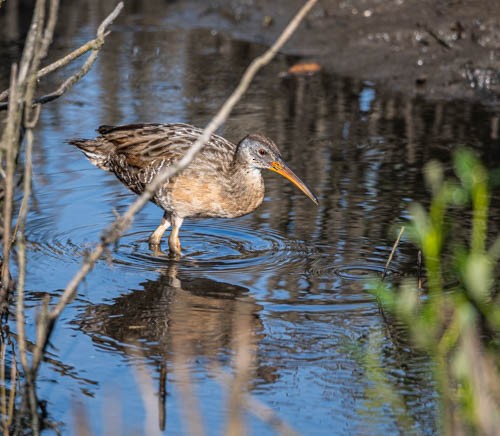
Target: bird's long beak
point(282, 169)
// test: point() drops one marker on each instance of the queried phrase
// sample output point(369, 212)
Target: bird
point(223, 180)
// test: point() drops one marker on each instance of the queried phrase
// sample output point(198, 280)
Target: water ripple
point(206, 246)
point(218, 246)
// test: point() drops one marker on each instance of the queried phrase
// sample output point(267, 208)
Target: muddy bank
point(439, 49)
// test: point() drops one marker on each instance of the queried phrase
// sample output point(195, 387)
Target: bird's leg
point(173, 241)
point(155, 238)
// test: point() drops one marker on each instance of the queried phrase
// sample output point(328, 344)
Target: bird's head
point(258, 151)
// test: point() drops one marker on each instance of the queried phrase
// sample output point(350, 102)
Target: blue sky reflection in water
point(294, 271)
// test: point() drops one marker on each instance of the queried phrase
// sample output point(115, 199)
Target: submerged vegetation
point(455, 317)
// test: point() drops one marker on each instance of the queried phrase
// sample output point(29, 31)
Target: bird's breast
point(220, 195)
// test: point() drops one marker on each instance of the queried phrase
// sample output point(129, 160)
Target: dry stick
point(42, 324)
point(162, 395)
point(10, 138)
point(21, 94)
point(29, 373)
point(112, 234)
point(101, 34)
point(147, 391)
point(22, 86)
point(419, 269)
point(13, 382)
point(21, 91)
point(41, 46)
point(21, 245)
point(182, 352)
point(95, 45)
point(256, 407)
point(41, 42)
point(3, 390)
point(7, 409)
point(243, 359)
point(49, 29)
point(191, 415)
point(396, 243)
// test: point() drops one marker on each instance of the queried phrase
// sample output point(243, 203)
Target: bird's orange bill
point(287, 173)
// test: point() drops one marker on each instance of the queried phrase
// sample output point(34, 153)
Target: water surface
point(293, 273)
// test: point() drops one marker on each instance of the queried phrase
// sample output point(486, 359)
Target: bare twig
point(3, 388)
point(182, 352)
point(243, 360)
point(396, 243)
point(94, 45)
point(22, 117)
point(23, 80)
point(113, 233)
point(21, 255)
point(419, 269)
point(13, 385)
point(10, 139)
point(146, 387)
point(162, 396)
point(256, 407)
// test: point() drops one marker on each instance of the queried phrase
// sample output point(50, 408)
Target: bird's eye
point(262, 152)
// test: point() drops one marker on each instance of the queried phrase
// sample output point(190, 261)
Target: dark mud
point(437, 49)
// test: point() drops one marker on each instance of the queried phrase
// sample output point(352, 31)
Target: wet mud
point(437, 49)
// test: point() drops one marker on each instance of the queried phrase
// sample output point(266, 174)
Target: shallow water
point(293, 274)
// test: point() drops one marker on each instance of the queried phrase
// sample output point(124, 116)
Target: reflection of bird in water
point(177, 316)
point(224, 180)
point(198, 313)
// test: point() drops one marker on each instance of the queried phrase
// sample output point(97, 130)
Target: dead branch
point(9, 142)
point(22, 117)
point(391, 255)
point(95, 45)
point(21, 103)
point(256, 407)
point(244, 358)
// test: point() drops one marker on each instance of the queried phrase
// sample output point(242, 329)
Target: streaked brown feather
point(223, 180)
point(210, 186)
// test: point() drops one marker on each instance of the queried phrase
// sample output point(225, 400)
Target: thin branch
point(396, 243)
point(95, 45)
point(113, 233)
point(256, 407)
point(147, 392)
point(10, 139)
point(21, 255)
point(244, 358)
point(49, 29)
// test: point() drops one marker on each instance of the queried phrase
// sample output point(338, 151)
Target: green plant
point(457, 320)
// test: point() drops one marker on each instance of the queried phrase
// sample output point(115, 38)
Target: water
point(294, 274)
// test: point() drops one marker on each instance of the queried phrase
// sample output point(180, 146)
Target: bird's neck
point(246, 187)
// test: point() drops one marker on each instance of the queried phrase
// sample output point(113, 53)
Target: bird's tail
point(96, 151)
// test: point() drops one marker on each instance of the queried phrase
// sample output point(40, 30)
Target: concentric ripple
point(370, 266)
point(362, 272)
point(207, 245)
point(215, 245)
point(67, 245)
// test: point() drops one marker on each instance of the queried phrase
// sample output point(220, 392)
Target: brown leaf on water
point(304, 68)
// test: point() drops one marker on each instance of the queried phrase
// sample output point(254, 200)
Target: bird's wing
point(142, 145)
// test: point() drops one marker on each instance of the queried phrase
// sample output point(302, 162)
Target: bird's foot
point(156, 248)
point(175, 248)
point(155, 239)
